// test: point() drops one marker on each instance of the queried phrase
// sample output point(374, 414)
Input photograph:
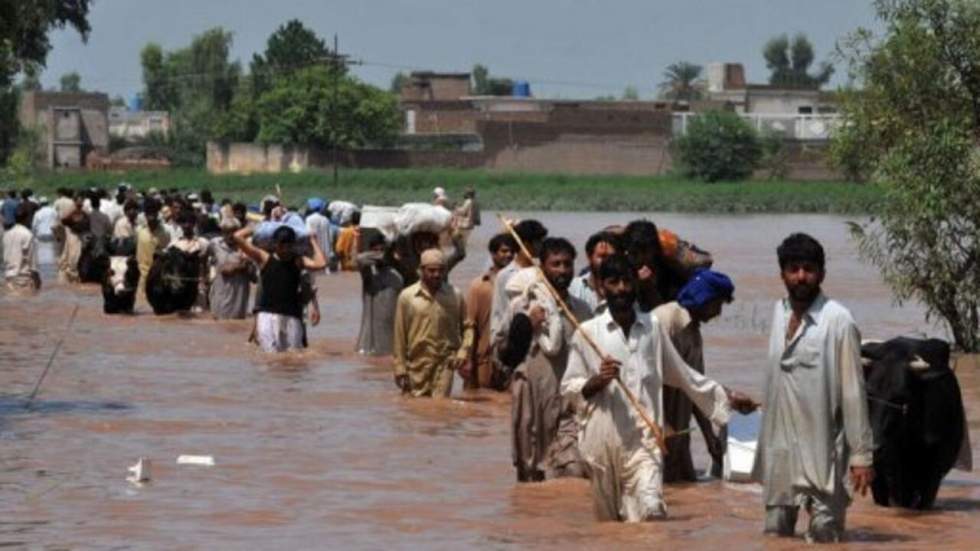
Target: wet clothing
point(501, 300)
point(543, 426)
point(479, 299)
point(624, 461)
point(685, 335)
point(99, 225)
point(20, 260)
point(148, 243)
point(380, 286)
point(281, 287)
point(123, 229)
point(8, 212)
point(319, 225)
point(228, 296)
point(346, 247)
point(278, 332)
point(75, 225)
point(44, 220)
point(815, 425)
point(430, 334)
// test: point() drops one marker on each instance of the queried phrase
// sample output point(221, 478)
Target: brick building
point(71, 125)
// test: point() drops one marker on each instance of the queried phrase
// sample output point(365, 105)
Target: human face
point(559, 269)
point(709, 311)
point(502, 256)
point(432, 276)
point(152, 219)
point(187, 228)
point(601, 252)
point(802, 280)
point(620, 293)
point(240, 215)
point(132, 213)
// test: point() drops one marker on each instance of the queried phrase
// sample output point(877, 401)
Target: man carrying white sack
point(625, 465)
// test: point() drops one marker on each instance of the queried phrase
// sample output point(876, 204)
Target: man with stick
point(627, 345)
point(815, 429)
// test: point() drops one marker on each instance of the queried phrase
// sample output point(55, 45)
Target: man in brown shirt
point(478, 371)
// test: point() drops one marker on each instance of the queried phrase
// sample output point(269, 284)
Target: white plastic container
point(743, 436)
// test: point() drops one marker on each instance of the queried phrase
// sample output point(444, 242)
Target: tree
point(630, 93)
point(291, 47)
point(31, 82)
point(71, 82)
point(398, 82)
point(719, 145)
point(682, 82)
point(320, 107)
point(790, 63)
point(922, 151)
point(485, 85)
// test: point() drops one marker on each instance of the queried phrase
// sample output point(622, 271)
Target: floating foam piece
point(203, 460)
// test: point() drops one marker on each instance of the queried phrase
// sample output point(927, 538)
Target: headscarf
point(704, 287)
point(315, 204)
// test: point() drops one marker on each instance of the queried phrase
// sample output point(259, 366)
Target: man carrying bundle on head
point(544, 432)
point(625, 464)
point(431, 333)
point(699, 301)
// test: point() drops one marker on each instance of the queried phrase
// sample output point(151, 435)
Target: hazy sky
point(566, 48)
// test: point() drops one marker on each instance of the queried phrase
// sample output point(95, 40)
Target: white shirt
point(319, 226)
point(581, 288)
point(816, 405)
point(112, 209)
point(648, 362)
point(19, 253)
point(44, 219)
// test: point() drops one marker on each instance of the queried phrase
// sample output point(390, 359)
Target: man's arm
point(854, 406)
point(709, 396)
point(247, 248)
point(400, 348)
point(317, 261)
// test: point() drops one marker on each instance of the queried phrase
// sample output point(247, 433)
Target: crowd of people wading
point(605, 367)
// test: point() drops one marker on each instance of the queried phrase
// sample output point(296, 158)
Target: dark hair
point(616, 266)
point(26, 193)
point(206, 196)
point(601, 237)
point(642, 234)
point(239, 206)
point(151, 206)
point(284, 235)
point(12, 193)
point(530, 230)
point(556, 245)
point(375, 239)
point(95, 201)
point(186, 216)
point(355, 217)
point(800, 247)
point(130, 204)
point(24, 213)
point(500, 240)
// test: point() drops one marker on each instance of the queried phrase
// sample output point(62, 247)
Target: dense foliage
point(719, 145)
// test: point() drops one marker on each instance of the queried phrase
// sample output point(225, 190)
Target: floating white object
point(203, 460)
point(140, 472)
point(743, 435)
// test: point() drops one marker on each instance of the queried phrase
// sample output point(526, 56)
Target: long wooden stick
point(37, 385)
point(658, 434)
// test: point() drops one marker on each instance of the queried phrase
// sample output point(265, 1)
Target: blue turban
point(315, 204)
point(704, 287)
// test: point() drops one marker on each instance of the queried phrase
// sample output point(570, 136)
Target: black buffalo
point(171, 285)
point(916, 413)
point(93, 262)
point(119, 285)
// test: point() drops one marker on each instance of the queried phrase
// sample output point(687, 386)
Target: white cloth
point(815, 423)
point(194, 245)
point(319, 225)
point(123, 229)
point(500, 302)
point(44, 219)
point(612, 433)
point(581, 288)
point(19, 255)
point(112, 209)
point(277, 332)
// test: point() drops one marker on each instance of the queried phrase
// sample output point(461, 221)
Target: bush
point(719, 145)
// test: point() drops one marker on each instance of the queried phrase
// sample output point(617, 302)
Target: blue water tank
point(136, 102)
point(521, 89)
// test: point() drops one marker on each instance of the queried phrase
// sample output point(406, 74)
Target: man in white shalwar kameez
point(625, 464)
point(815, 429)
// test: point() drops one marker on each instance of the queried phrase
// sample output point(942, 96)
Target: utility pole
point(337, 62)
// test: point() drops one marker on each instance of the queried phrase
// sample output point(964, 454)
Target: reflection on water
point(317, 449)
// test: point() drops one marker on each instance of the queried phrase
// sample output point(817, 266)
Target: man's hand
point(861, 478)
point(741, 402)
point(538, 316)
point(608, 371)
point(645, 273)
point(401, 381)
point(314, 316)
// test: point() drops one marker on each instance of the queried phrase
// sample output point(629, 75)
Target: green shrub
point(719, 145)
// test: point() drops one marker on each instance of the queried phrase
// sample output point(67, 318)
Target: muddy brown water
point(317, 450)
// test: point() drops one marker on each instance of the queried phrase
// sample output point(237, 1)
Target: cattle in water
point(171, 284)
point(93, 262)
point(916, 413)
point(119, 285)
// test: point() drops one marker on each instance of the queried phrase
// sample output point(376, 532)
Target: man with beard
point(431, 333)
point(585, 287)
point(815, 428)
point(543, 427)
point(479, 371)
point(698, 302)
point(228, 296)
point(624, 463)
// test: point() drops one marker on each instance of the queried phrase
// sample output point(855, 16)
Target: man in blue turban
point(699, 301)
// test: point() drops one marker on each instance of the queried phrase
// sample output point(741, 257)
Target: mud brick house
point(71, 125)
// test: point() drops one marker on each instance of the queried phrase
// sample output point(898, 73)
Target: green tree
point(719, 145)
point(291, 47)
point(630, 93)
point(71, 82)
point(789, 63)
point(682, 82)
point(31, 82)
point(922, 150)
point(320, 107)
point(486, 85)
point(398, 82)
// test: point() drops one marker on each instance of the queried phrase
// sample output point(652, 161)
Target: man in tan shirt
point(478, 370)
point(432, 336)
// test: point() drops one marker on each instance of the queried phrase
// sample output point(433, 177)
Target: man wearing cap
point(432, 336)
point(698, 302)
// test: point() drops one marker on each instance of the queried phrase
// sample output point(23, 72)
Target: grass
point(503, 190)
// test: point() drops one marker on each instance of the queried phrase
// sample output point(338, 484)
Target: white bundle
point(381, 219)
point(422, 217)
point(341, 212)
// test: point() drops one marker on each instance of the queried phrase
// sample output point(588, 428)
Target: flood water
point(318, 450)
